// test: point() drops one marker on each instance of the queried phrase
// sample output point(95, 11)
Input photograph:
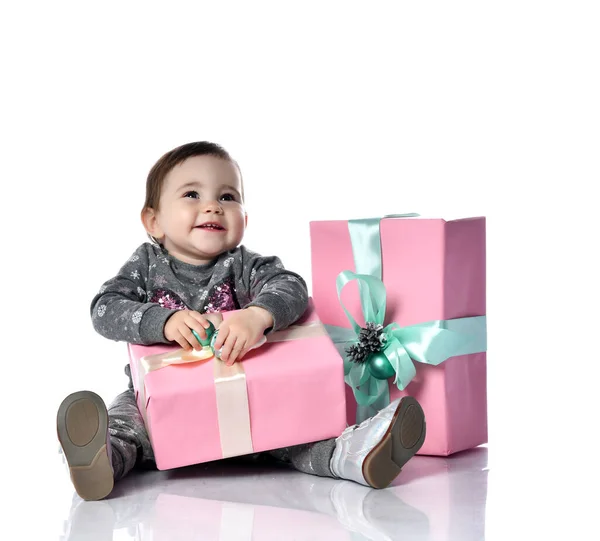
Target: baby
point(168, 290)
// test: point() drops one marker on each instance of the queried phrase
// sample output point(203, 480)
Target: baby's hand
point(179, 326)
point(241, 331)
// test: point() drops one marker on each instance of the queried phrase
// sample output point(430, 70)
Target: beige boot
point(82, 426)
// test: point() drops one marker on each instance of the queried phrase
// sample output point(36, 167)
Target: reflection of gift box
point(178, 517)
point(288, 391)
point(451, 491)
point(433, 271)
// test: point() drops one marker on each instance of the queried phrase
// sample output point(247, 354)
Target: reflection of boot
point(90, 521)
point(379, 515)
point(398, 519)
point(82, 426)
point(374, 452)
point(125, 511)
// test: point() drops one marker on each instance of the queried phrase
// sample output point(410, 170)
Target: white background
point(333, 110)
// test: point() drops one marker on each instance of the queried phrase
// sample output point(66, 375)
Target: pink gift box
point(294, 387)
point(432, 269)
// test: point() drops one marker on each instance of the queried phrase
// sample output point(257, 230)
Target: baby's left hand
point(241, 331)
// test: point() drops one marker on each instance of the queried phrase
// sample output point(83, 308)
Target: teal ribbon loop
point(429, 343)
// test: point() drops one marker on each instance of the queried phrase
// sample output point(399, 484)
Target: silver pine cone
point(370, 340)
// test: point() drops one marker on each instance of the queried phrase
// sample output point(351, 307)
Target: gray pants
point(131, 446)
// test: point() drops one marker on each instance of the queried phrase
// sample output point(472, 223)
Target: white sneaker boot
point(374, 452)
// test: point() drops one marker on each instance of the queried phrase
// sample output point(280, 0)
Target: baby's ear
point(151, 225)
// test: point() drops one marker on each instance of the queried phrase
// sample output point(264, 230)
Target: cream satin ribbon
point(233, 408)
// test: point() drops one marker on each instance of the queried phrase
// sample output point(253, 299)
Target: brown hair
point(158, 173)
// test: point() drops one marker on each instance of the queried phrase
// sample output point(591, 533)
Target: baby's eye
point(228, 197)
point(193, 194)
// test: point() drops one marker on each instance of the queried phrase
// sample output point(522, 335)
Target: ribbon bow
point(430, 343)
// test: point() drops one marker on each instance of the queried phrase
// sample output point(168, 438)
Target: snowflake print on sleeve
point(160, 280)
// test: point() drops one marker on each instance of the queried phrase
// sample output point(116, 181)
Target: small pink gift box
point(432, 269)
point(287, 392)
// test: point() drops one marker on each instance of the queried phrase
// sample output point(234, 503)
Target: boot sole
point(82, 427)
point(400, 443)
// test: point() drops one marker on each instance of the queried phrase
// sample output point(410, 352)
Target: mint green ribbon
point(429, 343)
point(366, 243)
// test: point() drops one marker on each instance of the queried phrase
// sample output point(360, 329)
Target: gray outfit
point(152, 285)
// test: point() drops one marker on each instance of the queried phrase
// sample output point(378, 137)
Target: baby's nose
point(213, 206)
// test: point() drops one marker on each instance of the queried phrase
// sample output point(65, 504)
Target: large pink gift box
point(292, 387)
point(432, 269)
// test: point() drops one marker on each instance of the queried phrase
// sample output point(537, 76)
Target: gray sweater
point(134, 305)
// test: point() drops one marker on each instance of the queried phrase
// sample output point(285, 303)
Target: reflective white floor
point(434, 498)
point(518, 488)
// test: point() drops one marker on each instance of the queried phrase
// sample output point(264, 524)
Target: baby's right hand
point(179, 326)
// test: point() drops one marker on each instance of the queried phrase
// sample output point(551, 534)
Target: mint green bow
point(430, 343)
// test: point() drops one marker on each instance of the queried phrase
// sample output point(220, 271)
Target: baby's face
point(201, 212)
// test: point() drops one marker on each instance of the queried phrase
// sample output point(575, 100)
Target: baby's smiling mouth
point(211, 226)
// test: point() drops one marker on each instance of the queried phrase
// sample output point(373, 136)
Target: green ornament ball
point(209, 334)
point(380, 367)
